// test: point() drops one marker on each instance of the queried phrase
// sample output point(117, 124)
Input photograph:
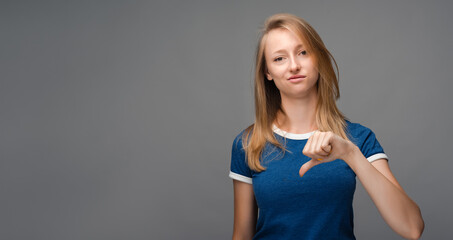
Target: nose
point(295, 65)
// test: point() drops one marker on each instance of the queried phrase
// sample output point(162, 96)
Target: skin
point(285, 57)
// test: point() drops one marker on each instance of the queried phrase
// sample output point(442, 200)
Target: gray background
point(117, 117)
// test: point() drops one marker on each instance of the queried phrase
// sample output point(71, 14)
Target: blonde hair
point(267, 95)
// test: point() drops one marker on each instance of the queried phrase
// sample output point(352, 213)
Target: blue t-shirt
point(316, 206)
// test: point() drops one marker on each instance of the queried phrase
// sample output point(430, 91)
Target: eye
point(303, 52)
point(278, 59)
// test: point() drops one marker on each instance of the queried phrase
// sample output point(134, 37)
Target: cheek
point(314, 66)
point(277, 71)
point(309, 63)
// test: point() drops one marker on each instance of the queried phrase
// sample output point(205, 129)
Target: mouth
point(296, 78)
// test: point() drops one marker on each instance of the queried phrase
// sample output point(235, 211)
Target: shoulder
point(237, 143)
point(357, 132)
point(243, 133)
point(366, 140)
point(356, 129)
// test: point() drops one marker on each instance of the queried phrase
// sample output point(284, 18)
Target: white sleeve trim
point(240, 177)
point(377, 156)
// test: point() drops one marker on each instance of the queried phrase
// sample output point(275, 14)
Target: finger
point(307, 166)
point(307, 145)
point(315, 151)
point(314, 145)
point(319, 145)
point(326, 144)
point(327, 149)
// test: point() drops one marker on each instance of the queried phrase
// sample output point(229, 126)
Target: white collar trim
point(295, 136)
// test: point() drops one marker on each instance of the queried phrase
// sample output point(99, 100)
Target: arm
point(245, 211)
point(397, 209)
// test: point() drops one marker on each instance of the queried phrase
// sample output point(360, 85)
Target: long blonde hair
point(267, 95)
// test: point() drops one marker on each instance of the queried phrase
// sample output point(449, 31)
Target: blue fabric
point(316, 206)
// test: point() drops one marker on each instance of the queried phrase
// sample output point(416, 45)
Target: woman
point(297, 164)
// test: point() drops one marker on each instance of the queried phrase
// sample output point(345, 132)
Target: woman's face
point(289, 65)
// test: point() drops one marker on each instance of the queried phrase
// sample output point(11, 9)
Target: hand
point(324, 147)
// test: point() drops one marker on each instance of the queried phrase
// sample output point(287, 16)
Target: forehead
point(281, 39)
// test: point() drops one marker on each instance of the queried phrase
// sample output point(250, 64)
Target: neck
point(300, 114)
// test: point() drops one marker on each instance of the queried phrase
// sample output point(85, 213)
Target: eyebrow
point(283, 50)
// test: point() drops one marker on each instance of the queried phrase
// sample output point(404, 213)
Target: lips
point(296, 77)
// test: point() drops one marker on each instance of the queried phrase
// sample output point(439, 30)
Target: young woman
point(294, 170)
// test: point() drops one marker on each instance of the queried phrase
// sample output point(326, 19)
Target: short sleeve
point(239, 169)
point(371, 148)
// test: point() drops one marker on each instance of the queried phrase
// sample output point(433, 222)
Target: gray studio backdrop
point(117, 117)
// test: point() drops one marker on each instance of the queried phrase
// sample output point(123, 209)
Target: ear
point(268, 75)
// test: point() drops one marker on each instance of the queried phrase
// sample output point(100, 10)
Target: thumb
point(307, 166)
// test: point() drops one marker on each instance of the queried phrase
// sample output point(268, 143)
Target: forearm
point(397, 209)
point(243, 232)
point(245, 211)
